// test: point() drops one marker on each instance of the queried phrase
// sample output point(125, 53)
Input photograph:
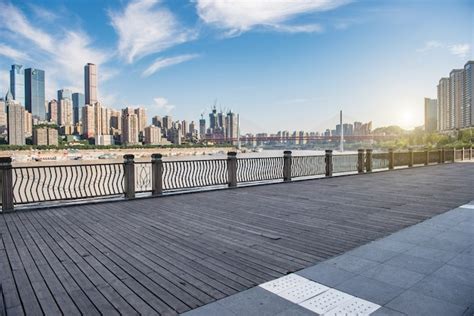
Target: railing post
point(410, 157)
point(391, 159)
point(454, 154)
point(129, 176)
point(360, 160)
point(287, 165)
point(427, 157)
point(157, 174)
point(470, 153)
point(440, 156)
point(6, 184)
point(368, 161)
point(443, 155)
point(462, 154)
point(232, 168)
point(328, 160)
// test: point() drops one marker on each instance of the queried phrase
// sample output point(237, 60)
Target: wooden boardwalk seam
point(173, 254)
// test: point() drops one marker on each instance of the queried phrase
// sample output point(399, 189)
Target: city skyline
point(209, 59)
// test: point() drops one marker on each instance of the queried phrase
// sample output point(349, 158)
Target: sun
point(408, 118)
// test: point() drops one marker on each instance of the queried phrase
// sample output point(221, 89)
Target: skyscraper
point(152, 135)
point(202, 127)
point(431, 114)
point(90, 83)
point(64, 94)
point(231, 133)
point(456, 98)
point(156, 120)
point(53, 111)
point(35, 93)
point(444, 108)
point(468, 106)
point(17, 83)
point(15, 121)
point(88, 121)
point(78, 101)
point(141, 115)
point(167, 122)
point(129, 127)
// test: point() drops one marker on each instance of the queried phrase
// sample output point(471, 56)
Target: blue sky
point(281, 64)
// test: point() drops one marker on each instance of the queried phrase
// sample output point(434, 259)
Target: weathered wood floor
point(172, 254)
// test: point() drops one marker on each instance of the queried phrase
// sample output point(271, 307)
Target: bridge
point(185, 252)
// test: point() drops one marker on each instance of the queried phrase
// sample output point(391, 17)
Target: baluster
point(440, 156)
point(287, 165)
point(360, 160)
point(329, 163)
point(410, 157)
point(129, 176)
point(232, 168)
point(427, 157)
point(6, 184)
point(391, 159)
point(368, 161)
point(157, 174)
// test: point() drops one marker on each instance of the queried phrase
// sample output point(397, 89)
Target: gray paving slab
point(373, 253)
point(212, 309)
point(370, 289)
point(414, 303)
point(416, 264)
point(465, 261)
point(446, 290)
point(431, 253)
point(393, 275)
point(464, 276)
point(351, 263)
point(326, 274)
point(385, 311)
point(390, 243)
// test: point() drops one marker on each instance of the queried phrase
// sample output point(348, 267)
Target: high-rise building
point(444, 108)
point(468, 104)
point(141, 115)
point(28, 124)
point(431, 114)
point(17, 83)
point(184, 127)
point(15, 121)
point(202, 127)
point(45, 136)
point(115, 120)
point(78, 101)
point(456, 97)
point(3, 116)
point(53, 111)
point(129, 127)
point(105, 121)
point(213, 123)
point(152, 135)
point(156, 120)
point(88, 121)
point(65, 115)
point(167, 122)
point(35, 93)
point(231, 123)
point(64, 94)
point(97, 118)
point(90, 83)
point(192, 129)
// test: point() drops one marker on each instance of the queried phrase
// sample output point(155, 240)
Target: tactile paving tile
point(355, 306)
point(326, 301)
point(284, 283)
point(471, 206)
point(302, 292)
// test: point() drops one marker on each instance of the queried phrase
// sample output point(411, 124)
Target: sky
point(280, 64)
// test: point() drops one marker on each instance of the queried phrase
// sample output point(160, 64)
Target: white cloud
point(161, 63)
point(12, 53)
point(241, 16)
point(429, 45)
point(61, 54)
point(460, 50)
point(145, 27)
point(162, 105)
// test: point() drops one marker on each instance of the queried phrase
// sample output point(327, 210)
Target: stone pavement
point(425, 269)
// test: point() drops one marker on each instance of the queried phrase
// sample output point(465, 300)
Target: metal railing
point(37, 184)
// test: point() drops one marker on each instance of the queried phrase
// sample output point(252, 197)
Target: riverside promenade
point(173, 254)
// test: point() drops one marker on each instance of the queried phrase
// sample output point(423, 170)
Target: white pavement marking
point(355, 306)
point(318, 298)
point(471, 206)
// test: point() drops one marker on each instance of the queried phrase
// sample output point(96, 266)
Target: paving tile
point(213, 309)
point(431, 253)
point(255, 301)
point(393, 275)
point(373, 253)
point(443, 244)
point(446, 290)
point(370, 289)
point(385, 311)
point(456, 274)
point(416, 264)
point(296, 311)
point(393, 245)
point(464, 261)
point(460, 238)
point(351, 263)
point(326, 274)
point(413, 303)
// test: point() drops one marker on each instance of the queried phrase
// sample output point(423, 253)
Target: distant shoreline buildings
point(26, 117)
point(454, 109)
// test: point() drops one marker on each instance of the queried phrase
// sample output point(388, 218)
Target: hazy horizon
point(285, 66)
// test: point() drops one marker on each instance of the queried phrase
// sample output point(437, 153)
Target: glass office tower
point(78, 102)
point(35, 94)
point(17, 83)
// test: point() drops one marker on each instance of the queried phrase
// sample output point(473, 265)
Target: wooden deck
point(172, 254)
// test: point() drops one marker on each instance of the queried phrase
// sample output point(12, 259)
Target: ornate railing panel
point(380, 161)
point(303, 166)
point(67, 182)
point(434, 156)
point(458, 154)
point(259, 169)
point(344, 163)
point(143, 177)
point(419, 157)
point(194, 173)
point(448, 155)
point(401, 159)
